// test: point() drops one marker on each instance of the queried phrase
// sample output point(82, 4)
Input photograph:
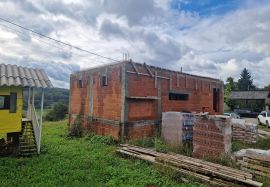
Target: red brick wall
point(138, 132)
point(79, 99)
point(106, 99)
point(106, 129)
point(142, 109)
point(200, 93)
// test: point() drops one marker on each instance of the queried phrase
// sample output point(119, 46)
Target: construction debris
point(255, 161)
point(207, 172)
point(177, 127)
point(244, 131)
point(211, 137)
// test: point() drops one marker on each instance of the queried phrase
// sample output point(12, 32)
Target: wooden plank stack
point(256, 162)
point(243, 131)
point(206, 172)
point(211, 137)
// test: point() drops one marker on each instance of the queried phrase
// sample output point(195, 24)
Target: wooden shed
point(23, 133)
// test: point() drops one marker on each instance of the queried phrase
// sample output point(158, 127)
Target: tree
point(58, 112)
point(245, 82)
point(230, 86)
point(267, 87)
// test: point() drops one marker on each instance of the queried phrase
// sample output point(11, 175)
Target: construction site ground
point(86, 161)
point(92, 160)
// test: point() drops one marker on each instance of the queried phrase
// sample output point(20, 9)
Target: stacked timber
point(203, 171)
point(211, 137)
point(177, 127)
point(243, 131)
point(255, 161)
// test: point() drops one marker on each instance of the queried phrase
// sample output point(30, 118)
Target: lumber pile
point(243, 131)
point(177, 127)
point(255, 161)
point(203, 171)
point(211, 137)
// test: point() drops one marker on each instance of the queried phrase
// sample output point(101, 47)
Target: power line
point(58, 41)
point(42, 41)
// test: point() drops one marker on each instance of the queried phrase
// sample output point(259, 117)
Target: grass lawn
point(263, 127)
point(79, 162)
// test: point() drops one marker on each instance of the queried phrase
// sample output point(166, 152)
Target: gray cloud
point(108, 29)
point(135, 11)
point(151, 32)
point(55, 70)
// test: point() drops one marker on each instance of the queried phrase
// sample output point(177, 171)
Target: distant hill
point(52, 96)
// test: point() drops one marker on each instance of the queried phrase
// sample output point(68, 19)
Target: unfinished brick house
point(126, 100)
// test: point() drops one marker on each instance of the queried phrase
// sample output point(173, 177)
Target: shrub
point(57, 113)
point(75, 129)
point(107, 140)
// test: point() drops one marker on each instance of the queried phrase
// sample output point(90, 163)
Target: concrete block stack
point(211, 137)
point(177, 127)
point(244, 131)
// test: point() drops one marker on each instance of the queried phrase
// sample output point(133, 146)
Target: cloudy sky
point(206, 37)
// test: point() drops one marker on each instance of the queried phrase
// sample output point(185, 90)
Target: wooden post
point(29, 96)
point(41, 120)
point(33, 97)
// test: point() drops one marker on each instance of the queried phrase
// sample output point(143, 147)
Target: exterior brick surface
point(146, 96)
point(211, 138)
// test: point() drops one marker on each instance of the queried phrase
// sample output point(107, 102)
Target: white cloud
point(150, 31)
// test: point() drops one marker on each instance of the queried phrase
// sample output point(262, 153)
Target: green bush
point(75, 129)
point(144, 142)
point(107, 140)
point(58, 112)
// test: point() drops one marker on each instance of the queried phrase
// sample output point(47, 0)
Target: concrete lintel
point(171, 80)
point(144, 74)
point(177, 80)
point(148, 69)
point(91, 95)
point(135, 67)
point(155, 79)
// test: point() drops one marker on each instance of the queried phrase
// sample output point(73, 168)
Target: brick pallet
point(211, 137)
point(243, 131)
point(177, 127)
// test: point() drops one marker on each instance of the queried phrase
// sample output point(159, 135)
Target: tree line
point(244, 83)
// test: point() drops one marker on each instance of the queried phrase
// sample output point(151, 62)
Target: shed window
point(4, 102)
point(178, 96)
point(104, 80)
point(13, 103)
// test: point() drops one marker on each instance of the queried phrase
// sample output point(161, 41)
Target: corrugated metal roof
point(250, 94)
point(12, 75)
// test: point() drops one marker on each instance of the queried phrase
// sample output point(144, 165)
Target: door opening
point(216, 99)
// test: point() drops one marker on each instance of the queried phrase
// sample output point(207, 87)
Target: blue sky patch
point(206, 7)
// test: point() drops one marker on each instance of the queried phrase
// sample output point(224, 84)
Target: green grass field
point(85, 161)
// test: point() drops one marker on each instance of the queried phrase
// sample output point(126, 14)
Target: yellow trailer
point(23, 132)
